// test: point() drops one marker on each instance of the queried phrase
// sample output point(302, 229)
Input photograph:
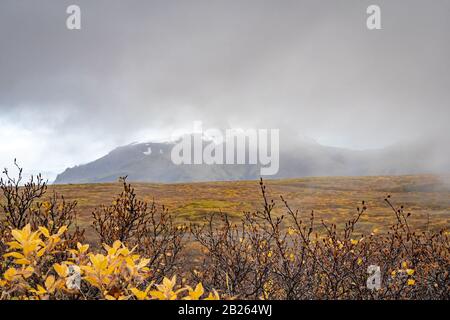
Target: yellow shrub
point(36, 271)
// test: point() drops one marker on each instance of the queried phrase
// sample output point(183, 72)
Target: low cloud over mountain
point(151, 162)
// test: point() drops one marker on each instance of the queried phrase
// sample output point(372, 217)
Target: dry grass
point(333, 199)
point(227, 237)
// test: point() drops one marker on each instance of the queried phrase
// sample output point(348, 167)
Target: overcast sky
point(138, 70)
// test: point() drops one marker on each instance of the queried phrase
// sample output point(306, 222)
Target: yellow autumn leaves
point(118, 273)
point(29, 246)
point(406, 271)
point(167, 291)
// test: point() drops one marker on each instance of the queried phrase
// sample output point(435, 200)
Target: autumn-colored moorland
point(310, 238)
point(333, 199)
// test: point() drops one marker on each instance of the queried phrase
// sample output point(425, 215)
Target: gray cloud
point(148, 67)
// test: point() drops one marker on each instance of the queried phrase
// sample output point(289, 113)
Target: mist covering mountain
point(151, 162)
point(140, 70)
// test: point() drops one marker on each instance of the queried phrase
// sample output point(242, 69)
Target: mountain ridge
point(151, 162)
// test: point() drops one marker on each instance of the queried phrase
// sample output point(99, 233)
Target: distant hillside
point(151, 162)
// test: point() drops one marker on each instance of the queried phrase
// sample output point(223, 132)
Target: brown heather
point(143, 253)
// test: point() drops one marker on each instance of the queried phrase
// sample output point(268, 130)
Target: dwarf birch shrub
point(264, 255)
